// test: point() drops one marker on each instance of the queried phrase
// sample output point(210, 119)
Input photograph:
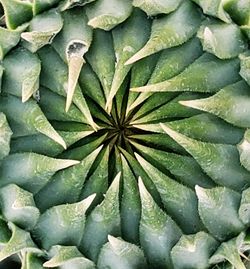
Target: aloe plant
point(124, 134)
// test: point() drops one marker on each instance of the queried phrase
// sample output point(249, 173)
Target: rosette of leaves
point(124, 134)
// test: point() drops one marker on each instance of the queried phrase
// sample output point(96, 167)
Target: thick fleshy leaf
point(52, 105)
point(5, 136)
point(245, 66)
point(214, 8)
point(91, 85)
point(20, 241)
point(128, 38)
point(179, 201)
point(21, 73)
point(62, 224)
point(18, 206)
point(40, 5)
point(103, 220)
point(98, 181)
point(54, 76)
point(118, 253)
point(244, 210)
point(103, 13)
point(244, 149)
point(130, 204)
point(71, 44)
point(41, 144)
point(31, 261)
point(16, 12)
point(101, 57)
point(30, 170)
point(171, 62)
point(222, 39)
point(221, 162)
point(166, 107)
point(5, 234)
point(171, 30)
point(41, 30)
point(9, 39)
point(239, 11)
point(30, 118)
point(65, 186)
point(67, 257)
point(206, 74)
point(229, 251)
point(158, 232)
point(194, 251)
point(184, 168)
point(67, 4)
point(231, 104)
point(156, 7)
point(140, 74)
point(218, 209)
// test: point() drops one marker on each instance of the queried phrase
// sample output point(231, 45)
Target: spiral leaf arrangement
point(124, 140)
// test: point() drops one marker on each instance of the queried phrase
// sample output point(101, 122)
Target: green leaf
point(222, 39)
point(128, 38)
point(179, 201)
point(208, 128)
point(103, 13)
point(130, 204)
point(245, 66)
point(16, 12)
point(170, 63)
point(20, 241)
point(62, 224)
point(102, 221)
point(47, 102)
point(243, 149)
point(158, 232)
point(98, 181)
point(194, 251)
point(231, 104)
point(218, 209)
point(214, 8)
point(156, 7)
point(18, 206)
point(31, 261)
point(90, 84)
point(239, 10)
point(5, 136)
point(67, 4)
point(140, 74)
point(71, 44)
point(30, 118)
point(41, 144)
point(41, 30)
point(244, 210)
point(118, 253)
point(229, 251)
point(166, 105)
point(101, 57)
point(184, 168)
point(219, 161)
point(30, 170)
point(170, 30)
point(21, 73)
point(206, 74)
point(68, 257)
point(54, 76)
point(9, 39)
point(65, 186)
point(40, 5)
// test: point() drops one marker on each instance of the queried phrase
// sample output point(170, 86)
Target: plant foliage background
point(124, 138)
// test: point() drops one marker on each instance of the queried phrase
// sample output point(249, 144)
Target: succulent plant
point(124, 140)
